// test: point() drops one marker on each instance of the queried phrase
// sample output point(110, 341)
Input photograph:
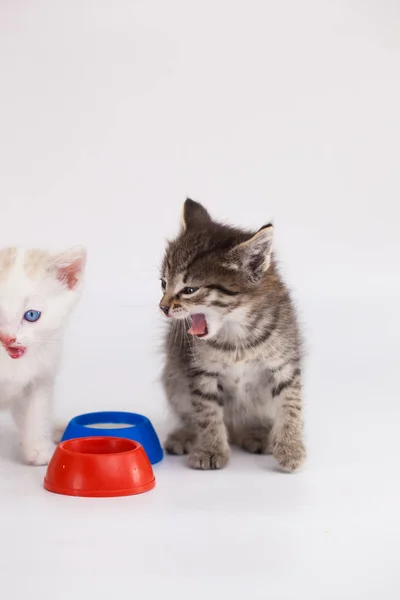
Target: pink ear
point(69, 275)
point(69, 266)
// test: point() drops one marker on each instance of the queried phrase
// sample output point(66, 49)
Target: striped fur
point(241, 382)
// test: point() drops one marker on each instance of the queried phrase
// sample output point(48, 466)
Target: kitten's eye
point(32, 315)
point(163, 285)
point(189, 290)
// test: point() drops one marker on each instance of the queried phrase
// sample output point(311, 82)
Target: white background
point(112, 112)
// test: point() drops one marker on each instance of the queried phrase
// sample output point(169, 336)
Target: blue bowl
point(117, 424)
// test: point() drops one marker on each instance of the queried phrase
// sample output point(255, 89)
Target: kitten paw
point(38, 453)
point(206, 460)
point(256, 440)
point(290, 455)
point(179, 442)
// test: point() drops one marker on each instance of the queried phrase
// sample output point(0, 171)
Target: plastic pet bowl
point(117, 424)
point(99, 466)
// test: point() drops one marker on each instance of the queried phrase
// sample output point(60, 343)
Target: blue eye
point(32, 315)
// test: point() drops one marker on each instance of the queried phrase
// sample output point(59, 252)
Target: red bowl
point(99, 466)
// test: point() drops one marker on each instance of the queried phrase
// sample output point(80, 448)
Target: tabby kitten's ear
point(194, 215)
point(253, 256)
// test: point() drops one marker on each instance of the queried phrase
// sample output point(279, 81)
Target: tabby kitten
point(232, 372)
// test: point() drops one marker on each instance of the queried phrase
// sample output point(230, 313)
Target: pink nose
point(7, 340)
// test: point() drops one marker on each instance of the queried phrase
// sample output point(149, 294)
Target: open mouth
point(199, 325)
point(16, 352)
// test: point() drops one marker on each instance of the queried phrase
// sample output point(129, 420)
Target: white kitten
point(37, 292)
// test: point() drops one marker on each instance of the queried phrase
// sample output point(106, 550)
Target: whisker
point(190, 340)
point(174, 334)
point(135, 305)
point(182, 333)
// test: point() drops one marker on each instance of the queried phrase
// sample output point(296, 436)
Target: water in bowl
point(109, 425)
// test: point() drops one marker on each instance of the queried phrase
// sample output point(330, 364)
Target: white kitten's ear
point(254, 255)
point(194, 215)
point(69, 266)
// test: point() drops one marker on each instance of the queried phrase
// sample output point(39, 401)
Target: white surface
point(111, 113)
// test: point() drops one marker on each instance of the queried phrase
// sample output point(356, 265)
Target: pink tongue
point(199, 325)
point(16, 352)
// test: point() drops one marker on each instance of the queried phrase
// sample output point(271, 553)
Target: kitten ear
point(254, 256)
point(69, 266)
point(194, 215)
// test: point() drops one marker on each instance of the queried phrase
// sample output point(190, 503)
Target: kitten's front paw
point(201, 458)
point(179, 442)
point(38, 453)
point(290, 455)
point(256, 441)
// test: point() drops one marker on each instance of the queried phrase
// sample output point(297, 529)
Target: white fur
point(26, 383)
